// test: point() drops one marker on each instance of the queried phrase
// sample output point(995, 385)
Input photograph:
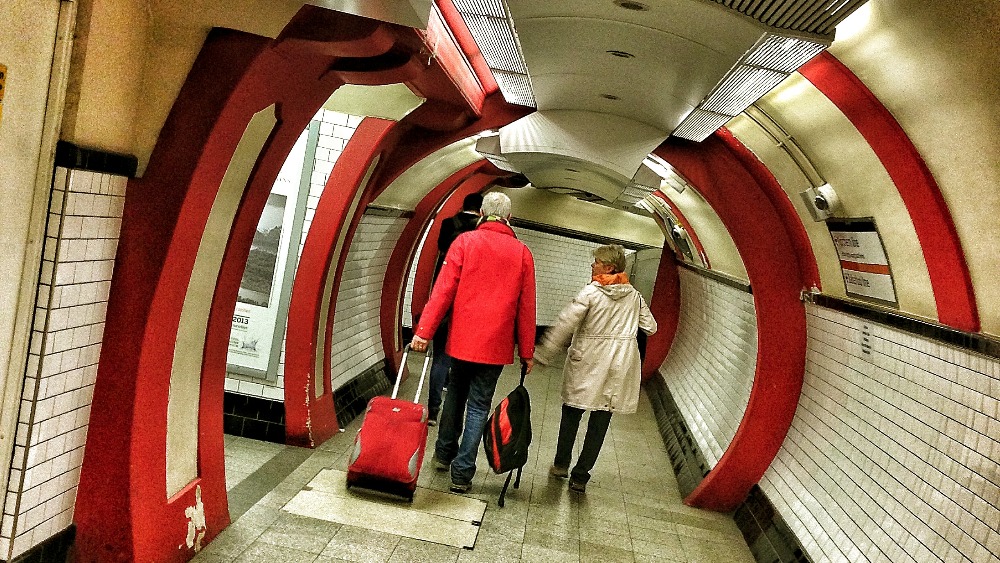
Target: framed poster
point(863, 261)
point(262, 303)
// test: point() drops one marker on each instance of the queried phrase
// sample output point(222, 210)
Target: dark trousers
point(440, 366)
point(597, 428)
point(469, 400)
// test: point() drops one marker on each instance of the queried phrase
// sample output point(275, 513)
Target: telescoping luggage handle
point(423, 372)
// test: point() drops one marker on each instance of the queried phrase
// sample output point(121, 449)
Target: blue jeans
point(439, 372)
point(470, 393)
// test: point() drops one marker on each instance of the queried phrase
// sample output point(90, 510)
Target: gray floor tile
point(260, 552)
point(632, 510)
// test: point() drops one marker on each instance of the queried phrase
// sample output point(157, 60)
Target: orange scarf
point(611, 279)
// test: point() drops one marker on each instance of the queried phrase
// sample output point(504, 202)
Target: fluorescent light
point(762, 68)
point(491, 26)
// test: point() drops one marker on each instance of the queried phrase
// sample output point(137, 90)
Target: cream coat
point(602, 370)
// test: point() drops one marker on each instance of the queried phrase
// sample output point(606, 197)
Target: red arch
point(122, 514)
point(665, 305)
point(949, 273)
point(764, 245)
point(310, 420)
point(802, 248)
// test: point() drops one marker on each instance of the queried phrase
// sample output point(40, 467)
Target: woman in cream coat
point(602, 370)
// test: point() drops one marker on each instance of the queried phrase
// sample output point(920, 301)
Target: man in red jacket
point(488, 283)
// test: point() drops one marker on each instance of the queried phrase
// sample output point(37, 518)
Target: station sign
point(863, 260)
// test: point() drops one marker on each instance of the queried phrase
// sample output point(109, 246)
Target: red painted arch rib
point(949, 273)
point(665, 305)
point(764, 245)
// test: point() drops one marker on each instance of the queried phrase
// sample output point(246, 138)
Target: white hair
point(496, 204)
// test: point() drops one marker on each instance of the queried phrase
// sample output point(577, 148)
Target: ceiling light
point(762, 68)
point(631, 5)
point(492, 28)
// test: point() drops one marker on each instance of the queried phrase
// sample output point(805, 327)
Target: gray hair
point(496, 204)
point(611, 254)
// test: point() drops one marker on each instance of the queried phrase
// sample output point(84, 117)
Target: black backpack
point(508, 435)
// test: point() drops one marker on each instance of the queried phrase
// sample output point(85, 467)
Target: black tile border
point(351, 399)
point(253, 417)
point(74, 157)
point(973, 342)
point(686, 458)
point(263, 419)
point(56, 548)
point(766, 533)
point(719, 277)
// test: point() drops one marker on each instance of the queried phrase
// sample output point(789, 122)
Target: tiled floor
point(631, 511)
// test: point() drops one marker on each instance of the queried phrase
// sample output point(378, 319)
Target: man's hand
point(528, 363)
point(418, 344)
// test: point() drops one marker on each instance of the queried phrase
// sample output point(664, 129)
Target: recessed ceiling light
point(622, 54)
point(631, 5)
point(610, 97)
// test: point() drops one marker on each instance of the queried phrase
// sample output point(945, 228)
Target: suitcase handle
point(423, 372)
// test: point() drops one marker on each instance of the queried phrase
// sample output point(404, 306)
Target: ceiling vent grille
point(491, 26)
point(762, 68)
point(809, 16)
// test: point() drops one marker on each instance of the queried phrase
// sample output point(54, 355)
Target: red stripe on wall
point(764, 245)
point(949, 273)
point(869, 268)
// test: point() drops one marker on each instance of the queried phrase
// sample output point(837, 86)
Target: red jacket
point(488, 282)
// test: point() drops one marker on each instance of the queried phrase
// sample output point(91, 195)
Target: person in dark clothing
point(465, 220)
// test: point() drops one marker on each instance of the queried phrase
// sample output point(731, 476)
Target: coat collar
point(497, 227)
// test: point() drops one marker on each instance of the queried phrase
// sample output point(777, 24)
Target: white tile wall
point(894, 453)
point(78, 258)
point(562, 268)
point(711, 363)
point(335, 131)
point(407, 317)
point(357, 341)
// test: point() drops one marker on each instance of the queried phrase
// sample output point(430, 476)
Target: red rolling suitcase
point(389, 448)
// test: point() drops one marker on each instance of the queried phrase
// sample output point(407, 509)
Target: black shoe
point(577, 486)
point(432, 419)
point(439, 465)
point(460, 487)
point(560, 472)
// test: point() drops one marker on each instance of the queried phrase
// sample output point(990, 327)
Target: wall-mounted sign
point(863, 260)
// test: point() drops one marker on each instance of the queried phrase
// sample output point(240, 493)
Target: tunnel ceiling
point(642, 70)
